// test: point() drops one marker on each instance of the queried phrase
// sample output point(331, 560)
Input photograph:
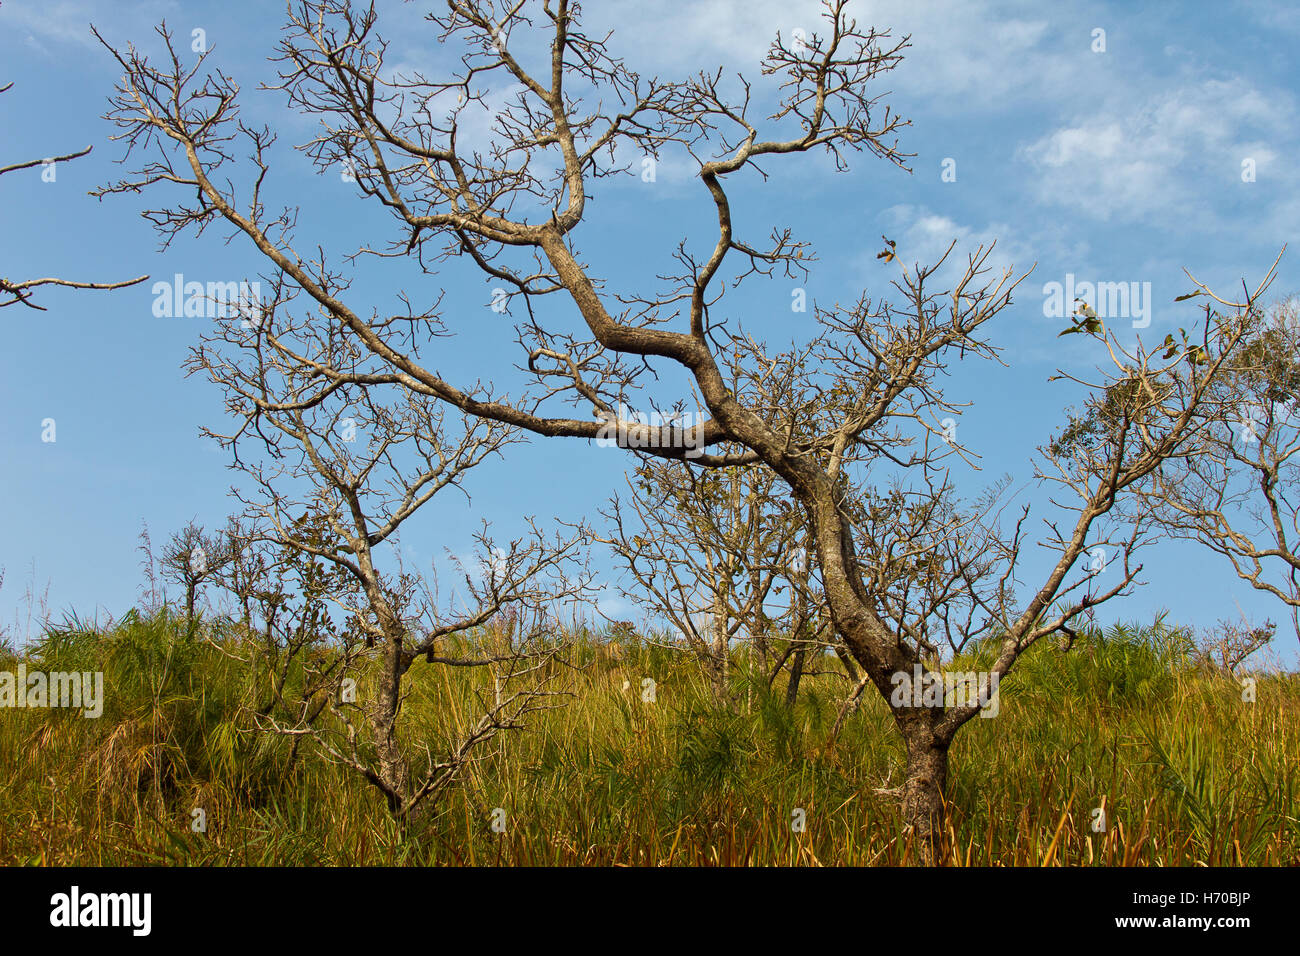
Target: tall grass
point(1185, 771)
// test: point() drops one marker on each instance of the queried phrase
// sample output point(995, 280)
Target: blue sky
point(1123, 165)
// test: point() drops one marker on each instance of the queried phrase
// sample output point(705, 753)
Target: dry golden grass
point(1187, 772)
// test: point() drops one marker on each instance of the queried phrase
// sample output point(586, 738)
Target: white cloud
point(973, 51)
point(1277, 15)
point(923, 236)
point(68, 21)
point(1167, 154)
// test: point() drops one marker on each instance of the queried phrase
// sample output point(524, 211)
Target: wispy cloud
point(61, 23)
point(1163, 155)
point(977, 51)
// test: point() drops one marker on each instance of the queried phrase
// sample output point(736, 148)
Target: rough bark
point(392, 768)
point(923, 790)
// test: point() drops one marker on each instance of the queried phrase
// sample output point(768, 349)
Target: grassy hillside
point(1188, 772)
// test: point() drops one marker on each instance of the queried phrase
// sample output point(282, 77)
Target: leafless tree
point(253, 574)
point(191, 558)
point(337, 471)
point(1229, 644)
point(1232, 486)
point(19, 291)
point(865, 391)
point(711, 551)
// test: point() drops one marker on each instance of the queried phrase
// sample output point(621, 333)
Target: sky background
point(1117, 166)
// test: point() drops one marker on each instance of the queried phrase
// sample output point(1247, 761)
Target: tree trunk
point(796, 675)
point(393, 771)
point(923, 791)
point(716, 667)
point(719, 649)
point(847, 660)
point(764, 650)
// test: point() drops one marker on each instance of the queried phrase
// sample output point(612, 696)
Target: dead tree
point(1226, 647)
point(191, 558)
point(253, 576)
point(514, 211)
point(709, 550)
point(1232, 486)
point(19, 291)
point(336, 472)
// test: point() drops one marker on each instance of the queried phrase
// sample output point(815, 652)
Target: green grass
point(1187, 772)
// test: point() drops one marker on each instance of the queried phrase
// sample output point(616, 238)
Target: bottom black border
point(614, 907)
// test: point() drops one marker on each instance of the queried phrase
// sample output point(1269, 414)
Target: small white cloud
point(923, 236)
